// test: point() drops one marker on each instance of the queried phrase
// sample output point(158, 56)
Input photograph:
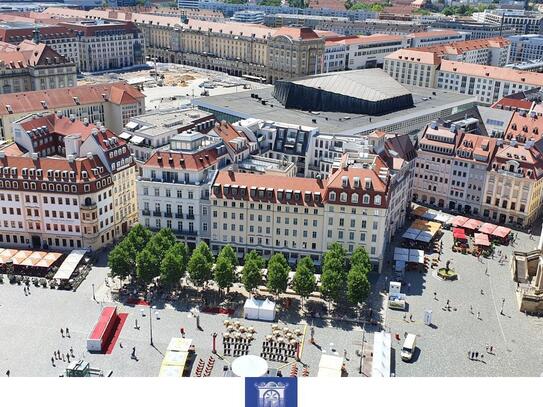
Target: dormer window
point(332, 196)
point(377, 200)
point(343, 197)
point(367, 181)
point(344, 181)
point(356, 182)
point(354, 198)
point(366, 199)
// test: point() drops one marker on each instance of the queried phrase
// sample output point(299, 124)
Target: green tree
point(174, 265)
point(229, 253)
point(252, 274)
point(277, 278)
point(148, 266)
point(358, 286)
point(224, 273)
point(199, 269)
point(254, 256)
point(120, 262)
point(335, 252)
point(205, 251)
point(332, 279)
point(270, 3)
point(304, 282)
point(161, 242)
point(361, 259)
point(137, 239)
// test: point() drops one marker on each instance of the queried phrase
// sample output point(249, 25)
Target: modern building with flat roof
point(428, 104)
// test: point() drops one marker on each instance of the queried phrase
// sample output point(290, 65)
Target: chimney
point(34, 156)
point(2, 154)
point(72, 118)
point(90, 156)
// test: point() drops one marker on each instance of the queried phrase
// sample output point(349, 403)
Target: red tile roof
point(414, 55)
point(183, 161)
point(27, 102)
point(298, 33)
point(493, 72)
point(28, 54)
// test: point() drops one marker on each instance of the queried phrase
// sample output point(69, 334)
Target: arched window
point(332, 196)
point(343, 197)
point(366, 199)
point(377, 200)
point(354, 198)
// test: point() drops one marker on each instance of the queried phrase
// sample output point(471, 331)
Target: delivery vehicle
point(408, 348)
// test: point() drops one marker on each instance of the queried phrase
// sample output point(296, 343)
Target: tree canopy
point(333, 279)
point(120, 261)
point(199, 269)
point(148, 266)
point(277, 277)
point(252, 274)
point(230, 254)
point(224, 273)
point(361, 259)
point(173, 265)
point(304, 282)
point(205, 251)
point(358, 286)
point(254, 256)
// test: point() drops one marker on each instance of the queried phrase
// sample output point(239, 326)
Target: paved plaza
point(33, 323)
point(444, 347)
point(31, 327)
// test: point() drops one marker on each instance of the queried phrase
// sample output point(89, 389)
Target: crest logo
point(271, 392)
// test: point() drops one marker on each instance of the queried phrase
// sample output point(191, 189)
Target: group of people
point(57, 355)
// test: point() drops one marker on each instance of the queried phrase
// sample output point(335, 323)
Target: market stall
point(472, 225)
point(330, 366)
point(263, 310)
point(458, 221)
point(481, 240)
point(487, 228)
point(501, 233)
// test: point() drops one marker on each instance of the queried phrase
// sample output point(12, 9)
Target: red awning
point(501, 231)
point(459, 233)
point(487, 228)
point(472, 224)
point(459, 221)
point(481, 240)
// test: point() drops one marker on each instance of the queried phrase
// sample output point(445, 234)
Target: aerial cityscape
point(271, 189)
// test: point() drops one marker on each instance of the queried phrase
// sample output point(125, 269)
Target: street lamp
point(93, 296)
point(362, 347)
point(503, 303)
point(151, 325)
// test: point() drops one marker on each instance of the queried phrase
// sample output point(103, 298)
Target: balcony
point(88, 207)
point(186, 232)
point(146, 212)
point(190, 216)
point(168, 214)
point(157, 213)
point(179, 215)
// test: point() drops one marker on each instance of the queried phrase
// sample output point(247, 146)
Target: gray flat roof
point(242, 105)
point(367, 84)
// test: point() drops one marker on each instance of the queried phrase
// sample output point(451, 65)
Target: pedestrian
point(53, 361)
point(491, 349)
point(482, 292)
point(469, 354)
point(182, 332)
point(471, 309)
point(68, 357)
point(405, 317)
point(7, 373)
point(345, 354)
point(72, 351)
point(120, 344)
point(482, 357)
point(476, 355)
point(435, 295)
point(448, 302)
point(134, 352)
point(411, 317)
point(62, 332)
point(67, 332)
point(478, 315)
point(136, 324)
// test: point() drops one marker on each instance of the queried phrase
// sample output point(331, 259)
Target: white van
point(409, 346)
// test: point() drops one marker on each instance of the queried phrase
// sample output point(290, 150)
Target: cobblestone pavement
point(443, 348)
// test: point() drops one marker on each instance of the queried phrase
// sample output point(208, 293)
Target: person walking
point(62, 332)
point(68, 332)
point(53, 361)
point(136, 326)
point(7, 373)
point(72, 351)
point(68, 357)
point(134, 352)
point(478, 315)
point(471, 309)
point(482, 292)
point(476, 356)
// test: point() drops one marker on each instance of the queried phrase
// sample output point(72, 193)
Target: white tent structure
point(330, 366)
point(259, 309)
point(69, 265)
point(382, 343)
point(408, 255)
point(250, 366)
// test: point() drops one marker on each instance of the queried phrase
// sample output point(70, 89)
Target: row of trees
point(144, 256)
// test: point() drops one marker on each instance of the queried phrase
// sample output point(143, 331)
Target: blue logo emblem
point(271, 392)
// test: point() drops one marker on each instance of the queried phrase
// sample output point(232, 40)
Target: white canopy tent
point(330, 366)
point(382, 344)
point(416, 256)
point(69, 265)
point(259, 309)
point(424, 236)
point(249, 366)
point(411, 234)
